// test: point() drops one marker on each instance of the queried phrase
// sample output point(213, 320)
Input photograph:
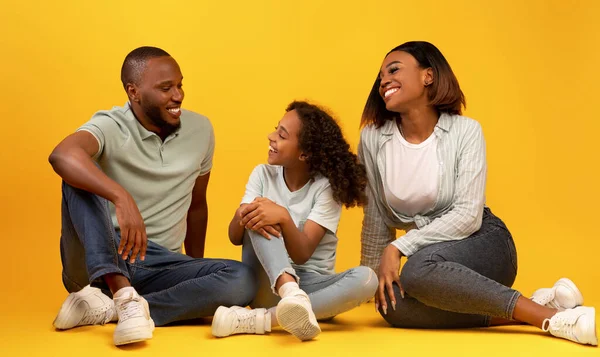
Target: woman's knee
point(414, 274)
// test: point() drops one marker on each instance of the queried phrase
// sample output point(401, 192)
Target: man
point(134, 190)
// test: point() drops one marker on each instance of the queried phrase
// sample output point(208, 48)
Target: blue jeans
point(460, 283)
point(329, 295)
point(176, 286)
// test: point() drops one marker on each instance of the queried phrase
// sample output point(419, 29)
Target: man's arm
point(197, 219)
point(72, 161)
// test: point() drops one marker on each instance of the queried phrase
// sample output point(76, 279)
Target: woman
point(426, 171)
point(299, 195)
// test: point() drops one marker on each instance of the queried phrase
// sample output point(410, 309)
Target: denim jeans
point(329, 295)
point(176, 286)
point(460, 283)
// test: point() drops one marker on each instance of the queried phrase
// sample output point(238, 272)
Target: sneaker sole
point(570, 285)
point(295, 319)
point(138, 334)
point(218, 321)
point(63, 320)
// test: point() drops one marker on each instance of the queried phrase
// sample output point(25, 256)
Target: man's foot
point(135, 323)
point(577, 325)
point(231, 320)
point(295, 315)
point(563, 295)
point(88, 306)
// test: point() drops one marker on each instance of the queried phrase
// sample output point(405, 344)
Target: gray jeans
point(460, 283)
point(329, 295)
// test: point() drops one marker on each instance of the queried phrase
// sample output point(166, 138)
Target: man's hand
point(133, 229)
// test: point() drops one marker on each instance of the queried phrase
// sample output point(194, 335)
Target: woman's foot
point(577, 324)
point(563, 295)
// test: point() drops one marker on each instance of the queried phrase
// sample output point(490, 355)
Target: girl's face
point(283, 142)
point(403, 82)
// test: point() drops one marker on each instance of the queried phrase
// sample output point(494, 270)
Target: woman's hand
point(388, 274)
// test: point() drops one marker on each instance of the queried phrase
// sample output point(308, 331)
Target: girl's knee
point(366, 281)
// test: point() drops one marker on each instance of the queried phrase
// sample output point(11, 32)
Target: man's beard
point(154, 114)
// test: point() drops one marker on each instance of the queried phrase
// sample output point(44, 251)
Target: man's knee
point(242, 282)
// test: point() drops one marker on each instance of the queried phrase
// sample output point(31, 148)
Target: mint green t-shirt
point(159, 175)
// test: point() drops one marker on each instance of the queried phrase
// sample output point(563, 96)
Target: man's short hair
point(135, 62)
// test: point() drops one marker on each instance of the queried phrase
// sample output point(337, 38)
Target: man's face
point(160, 93)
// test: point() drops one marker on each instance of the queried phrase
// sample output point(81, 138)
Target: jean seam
point(460, 241)
point(345, 274)
point(511, 305)
point(108, 222)
point(480, 312)
point(184, 283)
point(149, 268)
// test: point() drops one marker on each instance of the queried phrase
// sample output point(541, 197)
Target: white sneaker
point(231, 320)
point(135, 323)
point(563, 295)
point(295, 315)
point(578, 325)
point(88, 306)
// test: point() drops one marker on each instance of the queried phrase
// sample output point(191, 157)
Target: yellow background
point(529, 70)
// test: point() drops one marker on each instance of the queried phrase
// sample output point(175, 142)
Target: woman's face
point(403, 82)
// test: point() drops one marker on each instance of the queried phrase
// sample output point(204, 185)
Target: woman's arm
point(375, 234)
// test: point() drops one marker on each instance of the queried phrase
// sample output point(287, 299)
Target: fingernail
point(384, 309)
point(402, 293)
point(377, 306)
point(394, 305)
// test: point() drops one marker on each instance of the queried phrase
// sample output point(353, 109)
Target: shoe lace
point(247, 323)
point(546, 298)
point(129, 307)
point(100, 315)
point(561, 326)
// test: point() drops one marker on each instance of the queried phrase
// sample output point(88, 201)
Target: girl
point(426, 169)
point(287, 223)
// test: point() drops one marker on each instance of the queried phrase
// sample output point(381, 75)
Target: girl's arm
point(236, 230)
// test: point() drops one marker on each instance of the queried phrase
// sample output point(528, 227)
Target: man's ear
point(132, 92)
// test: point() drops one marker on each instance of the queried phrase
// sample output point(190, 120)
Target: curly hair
point(329, 154)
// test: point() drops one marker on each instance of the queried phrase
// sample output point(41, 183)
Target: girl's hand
point(261, 213)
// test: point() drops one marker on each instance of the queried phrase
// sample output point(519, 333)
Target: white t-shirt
point(411, 174)
point(312, 202)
